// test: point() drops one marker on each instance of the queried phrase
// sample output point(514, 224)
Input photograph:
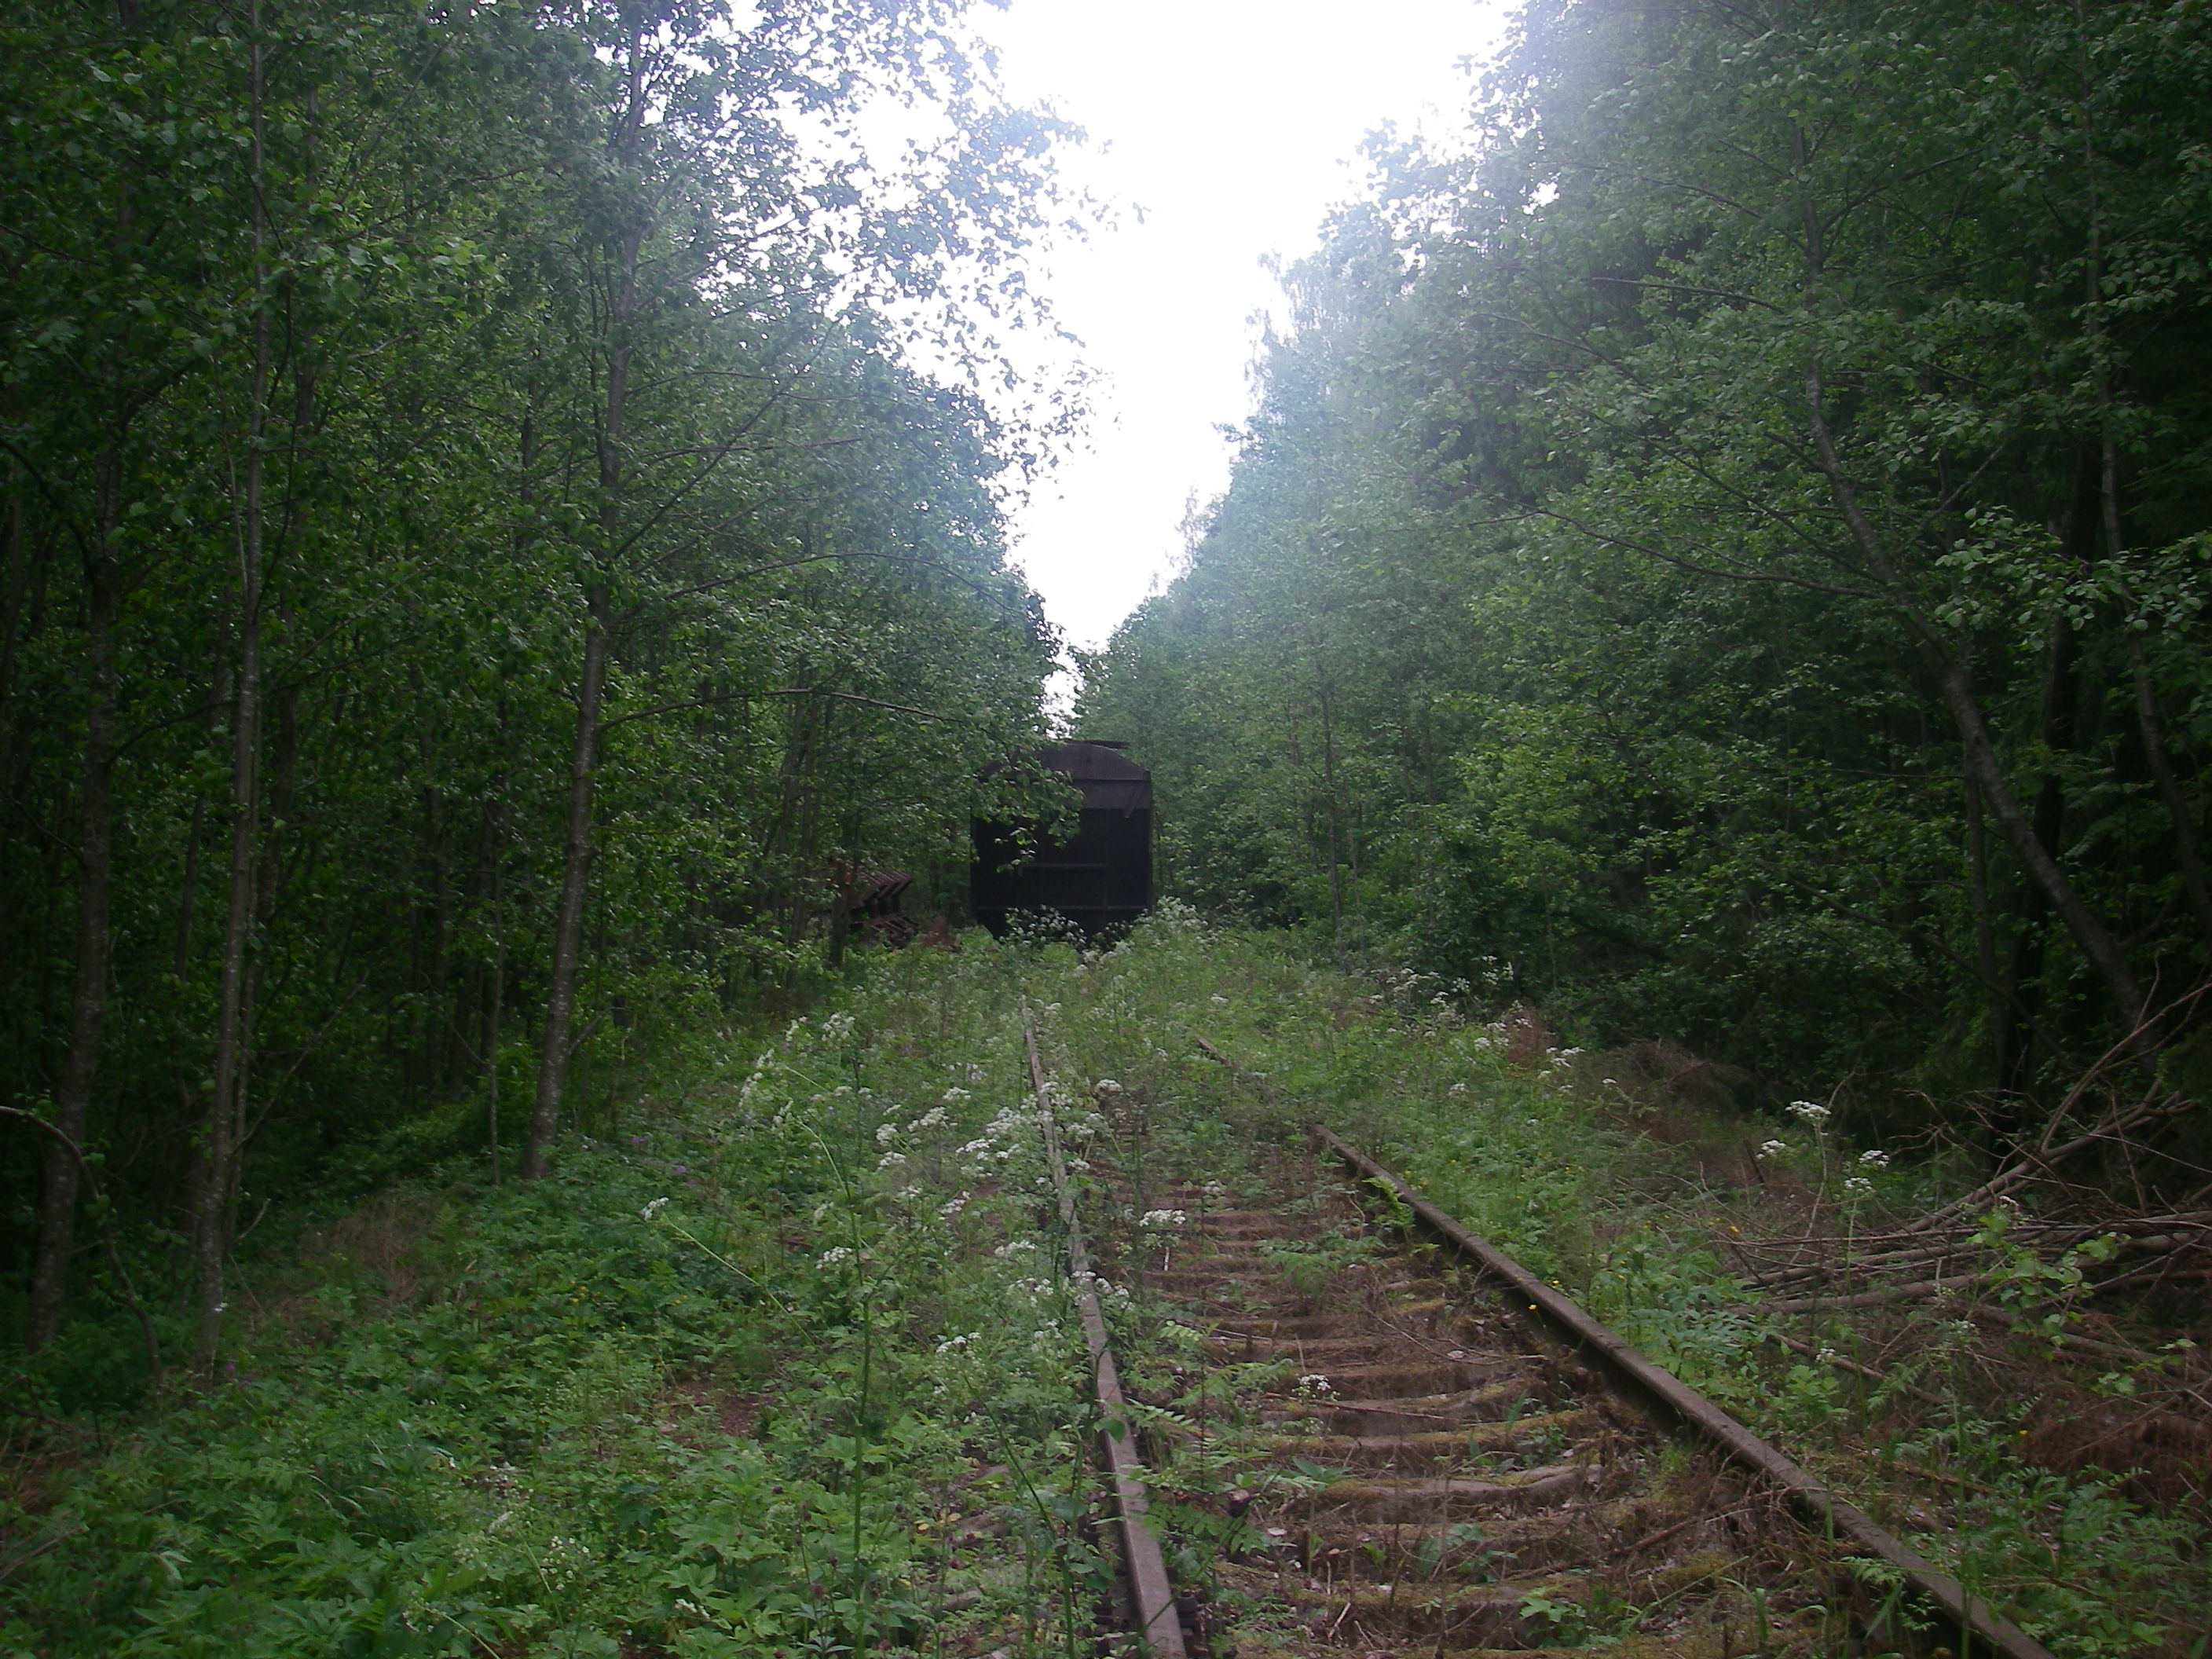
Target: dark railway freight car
point(1102, 879)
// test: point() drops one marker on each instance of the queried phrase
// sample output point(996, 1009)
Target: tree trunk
point(96, 883)
point(2149, 724)
point(491, 1054)
point(2061, 688)
point(2186, 853)
point(1978, 753)
point(1983, 766)
point(1335, 832)
point(211, 1240)
point(1997, 998)
point(575, 876)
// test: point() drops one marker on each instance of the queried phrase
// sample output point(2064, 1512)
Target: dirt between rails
point(1358, 1447)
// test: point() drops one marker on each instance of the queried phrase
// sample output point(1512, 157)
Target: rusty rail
point(1974, 1617)
point(1156, 1623)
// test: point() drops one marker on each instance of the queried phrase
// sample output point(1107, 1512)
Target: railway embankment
point(793, 1363)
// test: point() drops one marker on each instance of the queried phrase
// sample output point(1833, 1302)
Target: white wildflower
point(1314, 1386)
point(1811, 1110)
point(652, 1209)
point(1221, 1000)
point(1858, 1186)
point(832, 1257)
point(952, 1207)
point(955, 1095)
point(1456, 1089)
point(1773, 1148)
point(890, 1160)
point(1106, 1085)
point(1162, 1218)
point(1014, 1247)
point(886, 1133)
point(1874, 1160)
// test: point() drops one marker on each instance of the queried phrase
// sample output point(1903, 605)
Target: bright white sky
point(1233, 126)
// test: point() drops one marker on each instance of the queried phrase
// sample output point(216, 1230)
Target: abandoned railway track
point(1354, 1427)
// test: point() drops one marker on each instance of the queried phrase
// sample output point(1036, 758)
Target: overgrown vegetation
point(1715, 583)
point(2044, 1439)
point(782, 1366)
point(1723, 545)
point(785, 1360)
point(480, 580)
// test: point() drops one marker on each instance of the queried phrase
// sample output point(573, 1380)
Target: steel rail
point(1973, 1617)
point(1156, 1623)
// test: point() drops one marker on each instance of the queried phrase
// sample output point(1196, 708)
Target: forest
point(483, 574)
point(1722, 551)
point(1688, 731)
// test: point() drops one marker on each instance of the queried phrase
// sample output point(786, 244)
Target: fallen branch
point(2157, 1244)
point(12, 1409)
point(1919, 1291)
point(2155, 1107)
point(2050, 1236)
point(106, 1237)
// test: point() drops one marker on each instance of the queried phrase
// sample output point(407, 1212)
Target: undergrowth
point(791, 1367)
point(785, 1371)
point(1635, 1200)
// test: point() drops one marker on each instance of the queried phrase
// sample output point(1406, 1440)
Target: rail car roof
point(1109, 779)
